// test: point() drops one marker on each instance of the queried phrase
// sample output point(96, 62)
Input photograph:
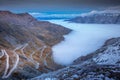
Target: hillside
point(25, 45)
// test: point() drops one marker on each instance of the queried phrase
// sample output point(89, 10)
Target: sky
point(55, 5)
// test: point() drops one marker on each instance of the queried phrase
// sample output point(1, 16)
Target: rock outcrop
point(108, 16)
point(25, 45)
point(103, 64)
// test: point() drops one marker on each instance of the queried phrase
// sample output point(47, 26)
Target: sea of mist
point(83, 40)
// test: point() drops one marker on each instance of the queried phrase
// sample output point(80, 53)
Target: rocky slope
point(107, 16)
point(92, 72)
point(108, 54)
point(103, 64)
point(25, 45)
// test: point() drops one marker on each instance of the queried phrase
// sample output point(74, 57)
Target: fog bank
point(84, 39)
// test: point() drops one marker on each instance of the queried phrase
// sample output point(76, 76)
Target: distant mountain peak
point(108, 16)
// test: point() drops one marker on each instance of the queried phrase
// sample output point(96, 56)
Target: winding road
point(7, 63)
point(15, 65)
point(6, 72)
point(41, 53)
point(9, 71)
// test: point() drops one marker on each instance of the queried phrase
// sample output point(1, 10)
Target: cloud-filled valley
point(84, 39)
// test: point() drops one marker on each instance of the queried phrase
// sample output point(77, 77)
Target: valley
point(86, 47)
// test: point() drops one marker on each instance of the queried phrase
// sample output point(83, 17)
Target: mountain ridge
point(25, 45)
point(110, 15)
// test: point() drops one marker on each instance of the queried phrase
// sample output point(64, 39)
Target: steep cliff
point(25, 45)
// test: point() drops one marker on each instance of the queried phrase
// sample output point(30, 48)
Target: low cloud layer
point(84, 39)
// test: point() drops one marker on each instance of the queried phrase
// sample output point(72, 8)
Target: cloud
point(41, 5)
point(85, 39)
